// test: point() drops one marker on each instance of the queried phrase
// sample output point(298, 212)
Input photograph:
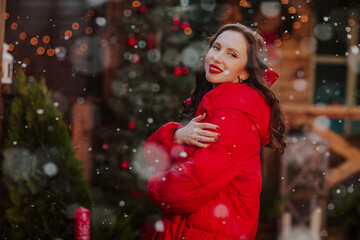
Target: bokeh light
point(88, 30)
point(22, 36)
point(300, 85)
point(292, 10)
point(208, 5)
point(50, 52)
point(13, 26)
point(68, 34)
point(46, 39)
point(304, 18)
point(34, 41)
point(296, 25)
point(322, 123)
point(40, 50)
point(187, 30)
point(323, 32)
point(75, 26)
point(136, 3)
point(11, 47)
point(270, 9)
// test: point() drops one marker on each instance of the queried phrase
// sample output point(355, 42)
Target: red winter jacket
point(212, 193)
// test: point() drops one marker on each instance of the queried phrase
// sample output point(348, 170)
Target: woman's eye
point(233, 55)
point(216, 47)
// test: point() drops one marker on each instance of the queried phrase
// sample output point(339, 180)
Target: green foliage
point(41, 174)
point(344, 208)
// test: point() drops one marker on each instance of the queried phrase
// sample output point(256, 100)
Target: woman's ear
point(244, 75)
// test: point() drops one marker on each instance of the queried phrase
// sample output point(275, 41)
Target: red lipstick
point(214, 69)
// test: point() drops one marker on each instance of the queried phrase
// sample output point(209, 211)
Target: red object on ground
point(211, 193)
point(82, 224)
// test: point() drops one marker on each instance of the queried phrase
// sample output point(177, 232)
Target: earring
point(240, 79)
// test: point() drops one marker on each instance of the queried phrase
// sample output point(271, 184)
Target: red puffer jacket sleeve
point(188, 186)
point(159, 148)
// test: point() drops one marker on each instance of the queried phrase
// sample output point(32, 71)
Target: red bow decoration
point(270, 77)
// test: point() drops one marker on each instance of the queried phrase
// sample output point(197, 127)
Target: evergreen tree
point(40, 172)
point(162, 43)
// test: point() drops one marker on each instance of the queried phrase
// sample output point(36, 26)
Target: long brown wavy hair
point(256, 66)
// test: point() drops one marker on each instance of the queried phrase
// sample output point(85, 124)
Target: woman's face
point(227, 58)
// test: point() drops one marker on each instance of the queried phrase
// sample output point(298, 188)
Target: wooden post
point(112, 50)
point(2, 36)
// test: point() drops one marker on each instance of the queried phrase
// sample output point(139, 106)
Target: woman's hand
point(194, 133)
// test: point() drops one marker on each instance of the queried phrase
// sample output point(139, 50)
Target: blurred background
point(85, 83)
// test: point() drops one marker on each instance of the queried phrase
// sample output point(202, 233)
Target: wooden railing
point(297, 115)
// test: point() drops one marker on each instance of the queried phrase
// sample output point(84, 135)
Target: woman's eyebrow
point(231, 49)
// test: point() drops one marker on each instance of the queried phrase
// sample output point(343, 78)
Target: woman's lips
point(214, 69)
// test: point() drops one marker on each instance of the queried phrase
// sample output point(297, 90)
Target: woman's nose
point(218, 57)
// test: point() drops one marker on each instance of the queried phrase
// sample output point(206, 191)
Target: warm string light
point(187, 30)
point(244, 3)
point(75, 26)
point(136, 3)
point(13, 26)
point(40, 50)
point(284, 1)
point(68, 34)
point(292, 10)
point(277, 43)
point(304, 18)
point(46, 39)
point(296, 25)
point(34, 41)
point(11, 47)
point(22, 36)
point(88, 30)
point(50, 52)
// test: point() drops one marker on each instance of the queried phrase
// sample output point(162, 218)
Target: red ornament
point(177, 71)
point(135, 58)
point(105, 146)
point(134, 194)
point(174, 28)
point(132, 125)
point(82, 224)
point(143, 9)
point(125, 164)
point(132, 41)
point(176, 21)
point(185, 70)
point(150, 41)
point(184, 25)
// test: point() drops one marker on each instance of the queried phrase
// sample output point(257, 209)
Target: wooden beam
point(2, 36)
point(342, 147)
point(336, 112)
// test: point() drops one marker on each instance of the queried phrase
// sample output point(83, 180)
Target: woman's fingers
point(208, 126)
point(199, 118)
point(199, 144)
point(207, 139)
point(210, 134)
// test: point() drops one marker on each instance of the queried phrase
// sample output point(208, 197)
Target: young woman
point(206, 169)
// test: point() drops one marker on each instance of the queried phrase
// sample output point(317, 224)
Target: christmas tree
point(162, 44)
point(42, 177)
